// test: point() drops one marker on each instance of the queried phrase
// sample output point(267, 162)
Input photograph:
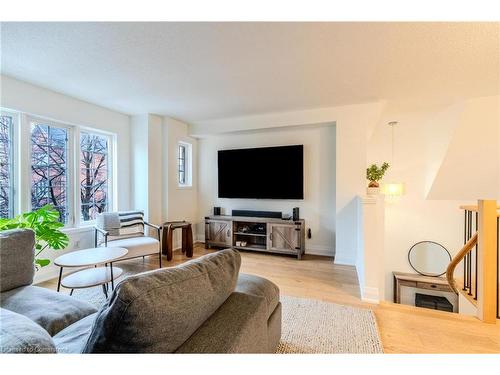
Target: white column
point(370, 254)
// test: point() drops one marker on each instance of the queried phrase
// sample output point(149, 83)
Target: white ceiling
point(200, 71)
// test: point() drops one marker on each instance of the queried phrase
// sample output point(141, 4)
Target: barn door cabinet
point(256, 234)
point(218, 233)
point(285, 238)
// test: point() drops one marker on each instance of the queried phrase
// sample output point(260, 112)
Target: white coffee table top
point(90, 277)
point(90, 257)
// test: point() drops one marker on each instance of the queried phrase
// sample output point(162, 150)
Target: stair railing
point(480, 258)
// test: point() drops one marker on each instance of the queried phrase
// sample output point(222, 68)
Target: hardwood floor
point(403, 329)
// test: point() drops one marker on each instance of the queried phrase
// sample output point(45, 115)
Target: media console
point(262, 234)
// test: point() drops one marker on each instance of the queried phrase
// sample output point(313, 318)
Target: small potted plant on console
point(374, 174)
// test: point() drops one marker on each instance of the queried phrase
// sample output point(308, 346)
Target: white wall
point(179, 203)
point(354, 124)
point(423, 139)
point(318, 206)
point(139, 130)
point(472, 149)
point(182, 202)
point(27, 98)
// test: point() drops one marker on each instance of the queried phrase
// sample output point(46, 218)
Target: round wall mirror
point(429, 258)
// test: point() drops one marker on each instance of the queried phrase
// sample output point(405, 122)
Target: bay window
point(66, 166)
point(6, 165)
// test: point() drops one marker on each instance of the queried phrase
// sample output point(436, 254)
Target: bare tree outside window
point(6, 192)
point(93, 175)
point(49, 179)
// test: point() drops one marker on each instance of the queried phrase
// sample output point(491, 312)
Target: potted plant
point(374, 174)
point(46, 225)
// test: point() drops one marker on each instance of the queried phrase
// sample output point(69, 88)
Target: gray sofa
point(201, 306)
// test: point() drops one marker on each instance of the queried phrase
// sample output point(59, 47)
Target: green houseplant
point(374, 174)
point(45, 223)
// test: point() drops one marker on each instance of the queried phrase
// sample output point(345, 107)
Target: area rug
point(309, 326)
point(312, 326)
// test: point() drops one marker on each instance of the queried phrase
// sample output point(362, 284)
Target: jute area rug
point(308, 326)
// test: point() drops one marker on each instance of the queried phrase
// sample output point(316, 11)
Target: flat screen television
point(262, 173)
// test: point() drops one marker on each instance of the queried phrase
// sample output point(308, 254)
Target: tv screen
point(263, 173)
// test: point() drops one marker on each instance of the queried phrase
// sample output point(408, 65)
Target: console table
point(415, 280)
point(256, 233)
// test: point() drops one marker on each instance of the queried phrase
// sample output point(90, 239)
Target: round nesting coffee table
point(94, 276)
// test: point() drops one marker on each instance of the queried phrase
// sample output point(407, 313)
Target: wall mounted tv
point(262, 173)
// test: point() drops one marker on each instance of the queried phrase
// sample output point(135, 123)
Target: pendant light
point(393, 190)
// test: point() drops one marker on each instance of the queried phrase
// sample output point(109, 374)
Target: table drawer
point(438, 287)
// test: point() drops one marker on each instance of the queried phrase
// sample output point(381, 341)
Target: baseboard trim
point(369, 294)
point(325, 251)
point(344, 261)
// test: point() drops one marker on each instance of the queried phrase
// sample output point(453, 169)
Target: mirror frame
point(426, 274)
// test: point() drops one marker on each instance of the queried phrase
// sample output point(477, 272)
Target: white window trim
point(22, 166)
point(70, 162)
point(111, 173)
point(14, 154)
point(188, 165)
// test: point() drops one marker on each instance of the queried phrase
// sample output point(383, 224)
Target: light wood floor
point(403, 329)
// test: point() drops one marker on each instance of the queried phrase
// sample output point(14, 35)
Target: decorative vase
point(372, 190)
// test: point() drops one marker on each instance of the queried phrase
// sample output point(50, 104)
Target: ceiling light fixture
point(393, 190)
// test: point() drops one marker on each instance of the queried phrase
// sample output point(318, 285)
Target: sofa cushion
point(16, 258)
point(258, 286)
point(19, 334)
point(137, 246)
point(156, 311)
point(238, 326)
point(51, 310)
point(72, 339)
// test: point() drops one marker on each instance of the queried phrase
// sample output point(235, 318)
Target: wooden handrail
point(457, 259)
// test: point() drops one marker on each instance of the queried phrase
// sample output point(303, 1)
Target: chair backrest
point(17, 257)
point(121, 224)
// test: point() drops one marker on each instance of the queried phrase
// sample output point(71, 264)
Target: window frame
point(14, 160)
point(70, 170)
point(188, 165)
point(111, 172)
point(21, 160)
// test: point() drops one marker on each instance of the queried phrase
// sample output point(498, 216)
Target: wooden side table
point(414, 280)
point(167, 238)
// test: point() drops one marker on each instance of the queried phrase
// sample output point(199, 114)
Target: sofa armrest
point(238, 326)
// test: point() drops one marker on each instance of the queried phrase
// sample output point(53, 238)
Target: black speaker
point(248, 213)
point(295, 215)
point(216, 211)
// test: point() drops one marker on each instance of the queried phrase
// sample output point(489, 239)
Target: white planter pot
point(372, 191)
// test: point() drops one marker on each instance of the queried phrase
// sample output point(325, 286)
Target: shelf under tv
point(251, 234)
point(252, 247)
point(280, 236)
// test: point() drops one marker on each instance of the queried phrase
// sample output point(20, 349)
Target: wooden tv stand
point(260, 234)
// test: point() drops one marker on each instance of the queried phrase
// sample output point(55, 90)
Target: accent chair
point(127, 229)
